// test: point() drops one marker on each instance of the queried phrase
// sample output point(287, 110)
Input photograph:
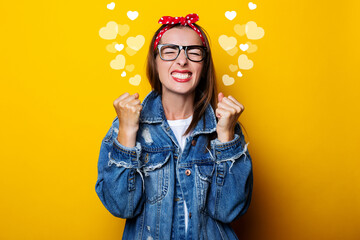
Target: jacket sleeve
point(120, 182)
point(231, 188)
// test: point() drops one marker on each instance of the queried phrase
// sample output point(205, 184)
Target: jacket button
point(193, 142)
point(189, 214)
point(188, 172)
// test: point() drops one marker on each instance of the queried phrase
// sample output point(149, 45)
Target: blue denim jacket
point(148, 184)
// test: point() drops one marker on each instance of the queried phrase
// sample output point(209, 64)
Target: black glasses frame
point(180, 48)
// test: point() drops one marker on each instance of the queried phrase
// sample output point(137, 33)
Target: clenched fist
point(228, 111)
point(128, 108)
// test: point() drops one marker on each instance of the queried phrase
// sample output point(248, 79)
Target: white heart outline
point(227, 80)
point(252, 6)
point(244, 47)
point(110, 6)
point(230, 15)
point(132, 15)
point(131, 80)
point(119, 47)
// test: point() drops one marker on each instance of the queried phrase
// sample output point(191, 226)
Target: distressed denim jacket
point(148, 184)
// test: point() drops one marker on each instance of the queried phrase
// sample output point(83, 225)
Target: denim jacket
point(148, 184)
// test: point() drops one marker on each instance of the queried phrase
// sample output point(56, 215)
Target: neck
point(178, 106)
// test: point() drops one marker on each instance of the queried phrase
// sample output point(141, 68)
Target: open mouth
point(181, 77)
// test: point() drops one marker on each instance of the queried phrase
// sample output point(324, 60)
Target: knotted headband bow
point(172, 21)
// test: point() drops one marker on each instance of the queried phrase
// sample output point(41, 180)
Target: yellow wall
point(301, 98)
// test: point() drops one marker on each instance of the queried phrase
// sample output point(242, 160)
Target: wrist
point(225, 136)
point(127, 138)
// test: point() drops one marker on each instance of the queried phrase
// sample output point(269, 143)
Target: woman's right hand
point(128, 108)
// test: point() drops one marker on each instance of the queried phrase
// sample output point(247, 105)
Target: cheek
point(199, 70)
point(162, 67)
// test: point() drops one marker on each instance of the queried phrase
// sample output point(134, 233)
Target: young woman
point(176, 166)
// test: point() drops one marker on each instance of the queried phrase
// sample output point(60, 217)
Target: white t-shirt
point(179, 127)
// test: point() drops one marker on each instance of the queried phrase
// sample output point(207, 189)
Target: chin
point(180, 90)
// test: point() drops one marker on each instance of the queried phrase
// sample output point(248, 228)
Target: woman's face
point(180, 76)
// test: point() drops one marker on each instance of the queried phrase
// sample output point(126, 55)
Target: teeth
point(181, 75)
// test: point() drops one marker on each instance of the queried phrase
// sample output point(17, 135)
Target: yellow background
point(302, 113)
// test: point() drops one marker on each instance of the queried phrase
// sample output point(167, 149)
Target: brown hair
point(205, 92)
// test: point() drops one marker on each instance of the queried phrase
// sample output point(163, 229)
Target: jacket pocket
point(156, 168)
point(203, 178)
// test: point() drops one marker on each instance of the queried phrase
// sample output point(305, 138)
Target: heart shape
point(119, 47)
point(130, 68)
point(135, 80)
point(123, 29)
point(118, 62)
point(230, 15)
point(233, 51)
point(239, 29)
point(111, 47)
point(111, 6)
point(227, 43)
point(130, 52)
point(252, 6)
point(244, 47)
point(252, 47)
point(233, 67)
point(132, 15)
point(110, 31)
point(123, 74)
point(253, 31)
point(227, 80)
point(244, 62)
point(239, 74)
point(136, 43)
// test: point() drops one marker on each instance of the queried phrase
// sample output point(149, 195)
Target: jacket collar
point(153, 112)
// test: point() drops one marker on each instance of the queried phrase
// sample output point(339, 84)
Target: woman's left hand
point(228, 111)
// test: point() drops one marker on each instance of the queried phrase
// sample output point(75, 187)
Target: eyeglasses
point(169, 52)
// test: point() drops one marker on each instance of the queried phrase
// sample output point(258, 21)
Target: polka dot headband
point(171, 21)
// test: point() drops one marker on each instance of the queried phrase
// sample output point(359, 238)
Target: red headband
point(171, 21)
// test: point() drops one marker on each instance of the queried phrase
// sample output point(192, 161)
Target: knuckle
point(128, 106)
point(121, 104)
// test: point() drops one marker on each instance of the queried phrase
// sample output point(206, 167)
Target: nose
point(182, 59)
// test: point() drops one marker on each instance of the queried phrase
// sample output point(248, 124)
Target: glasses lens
point(196, 53)
point(169, 52)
